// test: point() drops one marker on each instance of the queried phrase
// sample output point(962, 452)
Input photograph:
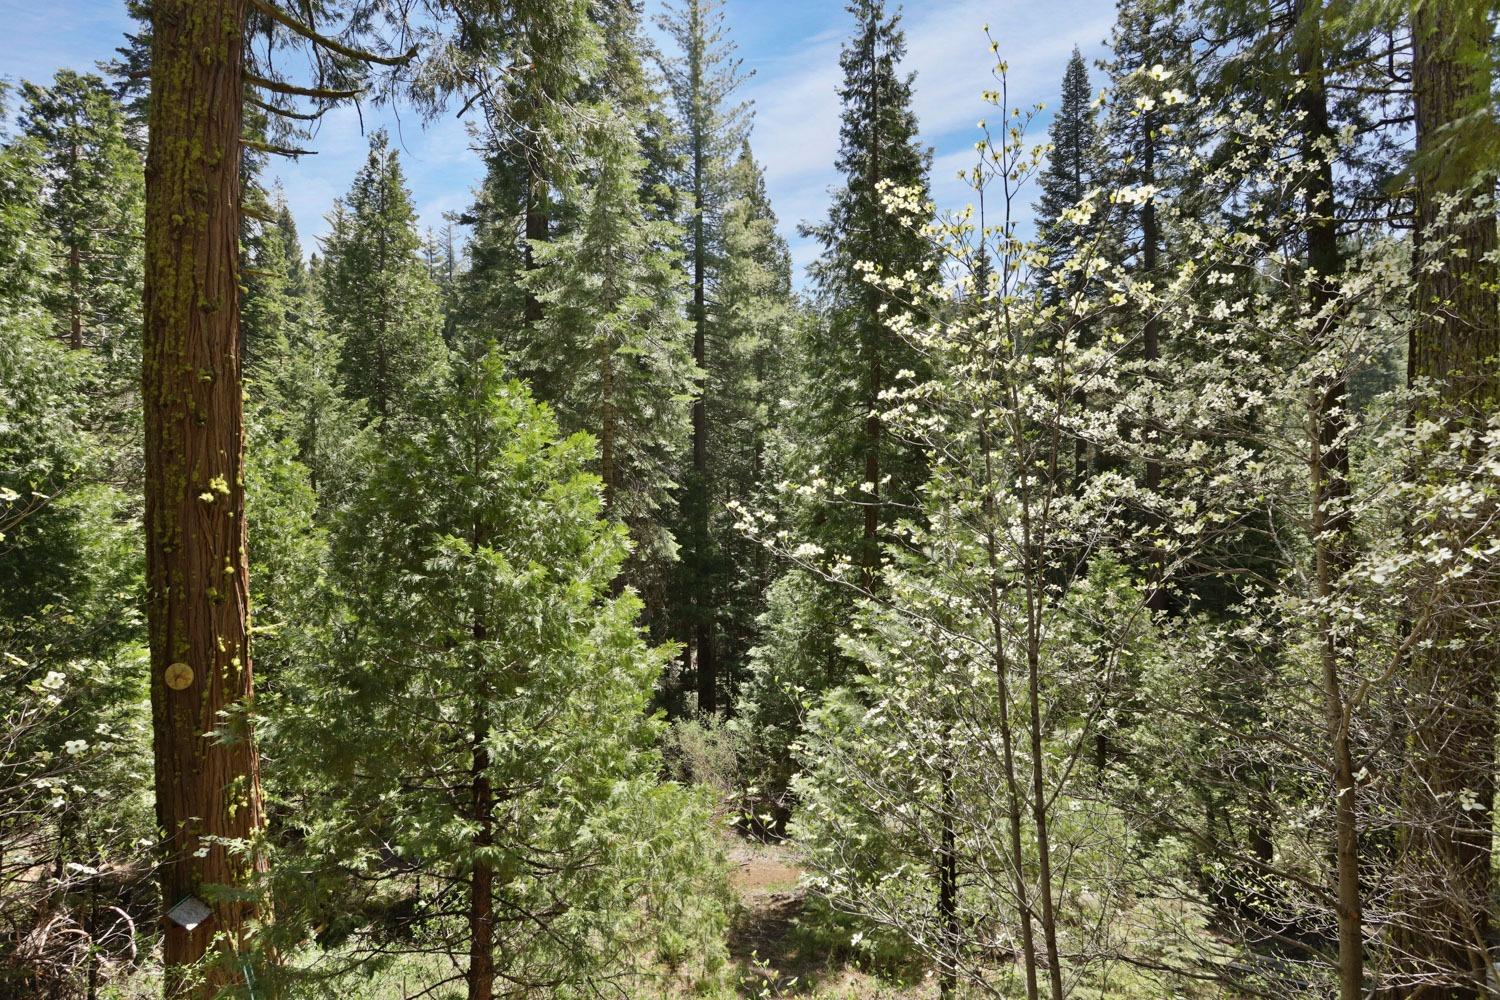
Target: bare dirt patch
point(776, 956)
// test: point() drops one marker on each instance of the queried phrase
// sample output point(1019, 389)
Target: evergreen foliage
point(505, 754)
point(613, 340)
point(378, 296)
point(1100, 613)
point(1072, 165)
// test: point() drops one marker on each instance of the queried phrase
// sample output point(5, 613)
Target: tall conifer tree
point(703, 75)
point(612, 338)
point(93, 207)
point(380, 300)
point(1072, 165)
point(855, 352)
point(757, 317)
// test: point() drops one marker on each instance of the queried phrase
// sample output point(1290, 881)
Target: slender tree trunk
point(482, 878)
point(198, 600)
point(1330, 493)
point(1156, 596)
point(1454, 343)
point(75, 262)
point(870, 540)
point(948, 889)
point(1039, 810)
point(75, 285)
point(607, 421)
point(1001, 665)
point(537, 231)
point(703, 609)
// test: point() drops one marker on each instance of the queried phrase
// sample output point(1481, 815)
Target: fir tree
point(854, 351)
point(277, 292)
point(26, 252)
point(379, 298)
point(703, 76)
point(754, 335)
point(294, 362)
point(1072, 165)
point(613, 341)
point(531, 147)
point(505, 751)
point(92, 205)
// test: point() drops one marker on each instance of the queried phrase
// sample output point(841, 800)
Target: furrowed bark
point(207, 777)
point(1450, 681)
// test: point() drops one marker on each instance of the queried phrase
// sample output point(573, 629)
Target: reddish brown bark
point(207, 781)
point(1450, 684)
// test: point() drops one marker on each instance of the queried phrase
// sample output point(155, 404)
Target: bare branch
point(287, 112)
point(292, 90)
point(333, 45)
point(271, 150)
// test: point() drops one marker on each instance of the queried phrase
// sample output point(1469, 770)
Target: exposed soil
point(776, 958)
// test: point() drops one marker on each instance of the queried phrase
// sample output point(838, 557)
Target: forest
point(1088, 590)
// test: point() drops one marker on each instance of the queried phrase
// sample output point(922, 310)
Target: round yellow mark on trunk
point(178, 676)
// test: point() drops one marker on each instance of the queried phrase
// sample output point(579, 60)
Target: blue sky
point(791, 45)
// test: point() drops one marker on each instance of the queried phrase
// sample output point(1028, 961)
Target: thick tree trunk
point(207, 779)
point(1450, 684)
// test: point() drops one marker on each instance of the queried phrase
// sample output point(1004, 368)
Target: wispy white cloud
point(793, 45)
point(797, 107)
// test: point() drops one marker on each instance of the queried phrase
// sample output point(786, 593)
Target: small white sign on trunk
point(189, 912)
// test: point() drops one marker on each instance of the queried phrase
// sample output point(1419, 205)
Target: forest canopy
point(1086, 589)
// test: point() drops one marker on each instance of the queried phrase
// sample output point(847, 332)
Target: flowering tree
point(1087, 690)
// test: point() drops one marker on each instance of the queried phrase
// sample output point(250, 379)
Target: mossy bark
point(207, 781)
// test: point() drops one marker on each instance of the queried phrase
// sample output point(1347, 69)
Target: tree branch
point(287, 113)
point(286, 20)
point(292, 90)
point(266, 147)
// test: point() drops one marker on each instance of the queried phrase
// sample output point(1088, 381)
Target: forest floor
point(775, 950)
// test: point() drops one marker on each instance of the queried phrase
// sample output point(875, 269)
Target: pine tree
point(72, 733)
point(277, 292)
point(293, 365)
point(754, 334)
point(92, 205)
point(531, 143)
point(26, 252)
point(380, 300)
point(703, 76)
point(854, 351)
point(1072, 167)
point(505, 751)
point(613, 341)
point(628, 77)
